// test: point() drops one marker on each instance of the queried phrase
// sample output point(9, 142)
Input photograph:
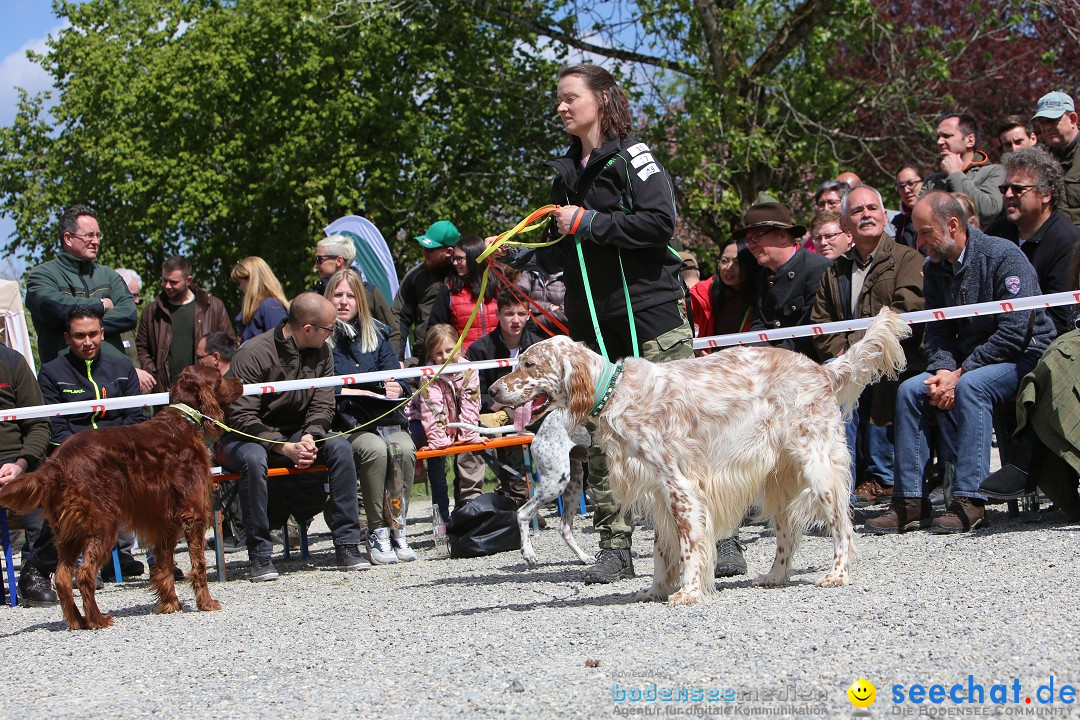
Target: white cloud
point(16, 71)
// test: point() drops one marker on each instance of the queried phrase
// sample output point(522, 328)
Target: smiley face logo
point(862, 693)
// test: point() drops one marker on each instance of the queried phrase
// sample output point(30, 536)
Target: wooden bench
point(222, 478)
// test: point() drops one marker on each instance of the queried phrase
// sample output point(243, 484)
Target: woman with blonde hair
point(264, 304)
point(383, 449)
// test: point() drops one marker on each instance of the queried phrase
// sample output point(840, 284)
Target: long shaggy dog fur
point(153, 477)
point(695, 443)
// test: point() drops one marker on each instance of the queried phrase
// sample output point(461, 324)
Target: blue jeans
point(977, 393)
point(874, 443)
point(251, 459)
point(436, 472)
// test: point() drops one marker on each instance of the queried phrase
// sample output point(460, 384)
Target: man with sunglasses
point(75, 278)
point(337, 252)
point(1033, 191)
point(288, 428)
point(787, 283)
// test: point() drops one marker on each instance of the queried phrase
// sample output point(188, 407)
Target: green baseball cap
point(441, 234)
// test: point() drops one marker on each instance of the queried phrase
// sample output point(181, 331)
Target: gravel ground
point(489, 638)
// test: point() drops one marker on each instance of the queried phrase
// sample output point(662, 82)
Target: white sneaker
point(401, 545)
point(379, 549)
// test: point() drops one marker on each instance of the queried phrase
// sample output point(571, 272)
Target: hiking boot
point(1008, 483)
point(867, 493)
point(35, 589)
point(349, 557)
point(400, 541)
point(903, 514)
point(262, 569)
point(378, 545)
point(937, 497)
point(963, 514)
point(729, 558)
point(611, 564)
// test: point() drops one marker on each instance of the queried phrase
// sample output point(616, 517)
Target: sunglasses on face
point(1017, 190)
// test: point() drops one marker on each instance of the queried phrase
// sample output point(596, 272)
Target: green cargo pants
point(616, 530)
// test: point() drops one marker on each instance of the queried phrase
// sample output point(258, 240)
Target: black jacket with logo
point(630, 217)
point(71, 379)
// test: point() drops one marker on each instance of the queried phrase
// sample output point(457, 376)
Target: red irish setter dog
point(153, 478)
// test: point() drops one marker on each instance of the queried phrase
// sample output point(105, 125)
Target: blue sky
point(26, 24)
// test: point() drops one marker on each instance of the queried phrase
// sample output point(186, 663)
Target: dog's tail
point(25, 492)
point(878, 354)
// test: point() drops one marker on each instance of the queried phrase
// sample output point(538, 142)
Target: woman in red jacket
point(723, 304)
point(457, 297)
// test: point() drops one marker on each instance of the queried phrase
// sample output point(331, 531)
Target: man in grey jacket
point(973, 364)
point(966, 169)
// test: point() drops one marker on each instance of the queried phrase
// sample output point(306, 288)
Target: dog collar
point(605, 386)
point(193, 415)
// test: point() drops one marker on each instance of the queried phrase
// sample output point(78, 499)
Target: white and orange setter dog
point(695, 443)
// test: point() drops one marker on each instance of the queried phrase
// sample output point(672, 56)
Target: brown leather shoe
point(903, 514)
point(867, 492)
point(962, 515)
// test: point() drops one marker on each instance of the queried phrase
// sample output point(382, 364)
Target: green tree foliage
point(226, 129)
point(749, 96)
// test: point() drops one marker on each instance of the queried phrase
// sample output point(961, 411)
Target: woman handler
point(617, 209)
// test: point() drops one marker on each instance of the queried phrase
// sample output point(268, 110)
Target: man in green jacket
point(75, 278)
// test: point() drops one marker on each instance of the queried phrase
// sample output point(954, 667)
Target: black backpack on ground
point(485, 526)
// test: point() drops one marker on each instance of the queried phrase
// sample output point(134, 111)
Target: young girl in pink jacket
point(451, 397)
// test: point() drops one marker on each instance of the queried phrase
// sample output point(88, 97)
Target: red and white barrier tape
point(921, 316)
point(703, 343)
point(37, 411)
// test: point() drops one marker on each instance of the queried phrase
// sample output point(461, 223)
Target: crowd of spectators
point(965, 231)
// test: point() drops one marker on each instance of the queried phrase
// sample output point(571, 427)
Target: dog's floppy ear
point(228, 390)
point(195, 387)
point(578, 381)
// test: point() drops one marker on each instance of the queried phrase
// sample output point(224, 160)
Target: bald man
point(289, 427)
point(849, 177)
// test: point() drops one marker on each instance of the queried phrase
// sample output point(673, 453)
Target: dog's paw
point(685, 597)
point(530, 559)
point(210, 605)
point(650, 595)
point(100, 624)
point(834, 580)
point(769, 580)
point(164, 608)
